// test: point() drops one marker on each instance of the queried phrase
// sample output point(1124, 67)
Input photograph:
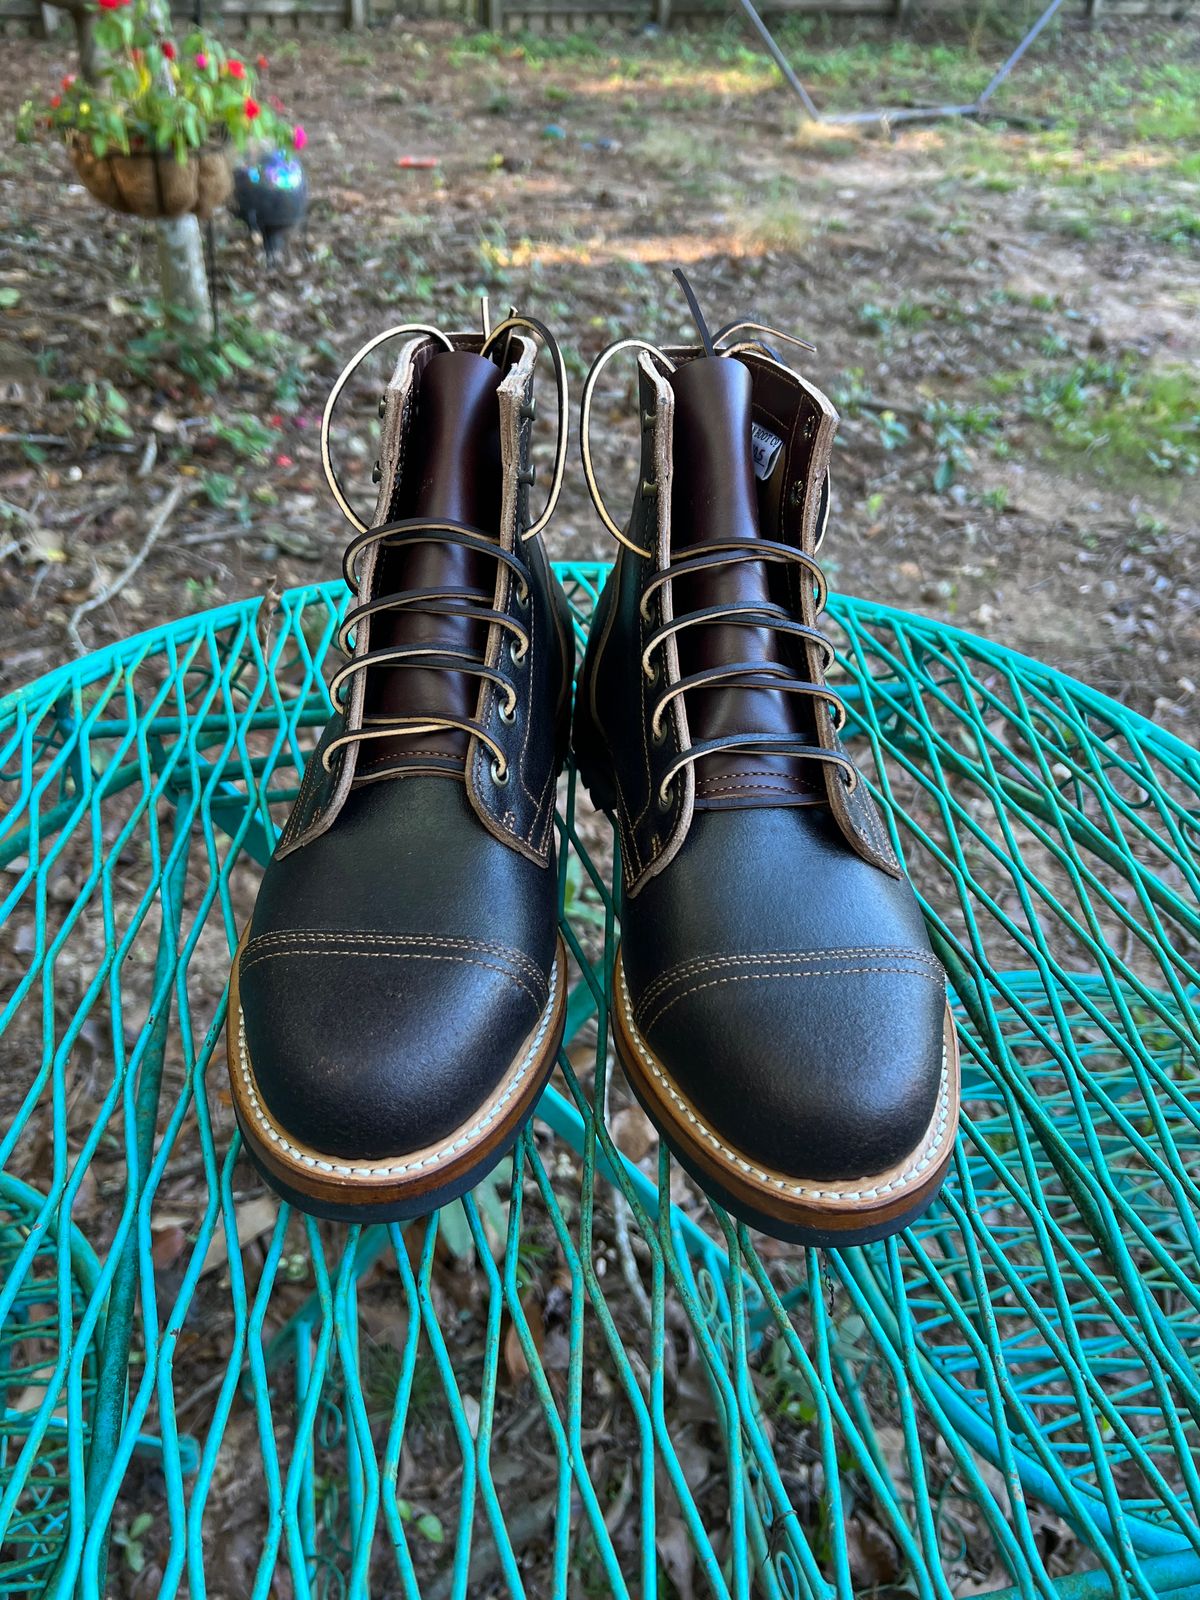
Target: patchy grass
point(1178, 225)
point(778, 223)
point(825, 141)
point(887, 321)
point(1129, 422)
point(921, 264)
point(675, 152)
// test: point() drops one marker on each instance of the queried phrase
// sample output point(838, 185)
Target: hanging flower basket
point(149, 184)
point(148, 136)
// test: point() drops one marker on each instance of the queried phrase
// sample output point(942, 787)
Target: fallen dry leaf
point(255, 1218)
point(514, 1353)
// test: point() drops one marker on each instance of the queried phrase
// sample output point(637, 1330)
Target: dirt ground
point(1005, 315)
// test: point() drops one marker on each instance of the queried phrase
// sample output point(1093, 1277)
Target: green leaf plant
point(154, 93)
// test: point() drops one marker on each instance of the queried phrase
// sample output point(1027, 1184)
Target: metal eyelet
point(517, 656)
point(649, 418)
point(850, 779)
point(500, 778)
point(665, 801)
point(382, 405)
point(527, 476)
point(649, 488)
point(376, 473)
point(527, 410)
point(523, 595)
point(508, 713)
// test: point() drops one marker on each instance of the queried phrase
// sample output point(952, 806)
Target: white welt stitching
point(319, 1164)
point(909, 1175)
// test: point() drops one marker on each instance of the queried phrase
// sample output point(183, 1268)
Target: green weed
point(1180, 225)
point(1170, 118)
point(954, 427)
point(886, 320)
point(101, 408)
point(1129, 422)
point(246, 435)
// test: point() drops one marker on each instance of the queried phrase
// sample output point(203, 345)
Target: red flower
point(261, 63)
point(284, 461)
point(235, 69)
point(202, 61)
point(111, 5)
point(68, 80)
point(55, 101)
point(299, 137)
point(251, 108)
point(168, 49)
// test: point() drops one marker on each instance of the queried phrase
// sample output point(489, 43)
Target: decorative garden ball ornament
point(270, 194)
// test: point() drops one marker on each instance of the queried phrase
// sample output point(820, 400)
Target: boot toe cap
point(363, 1048)
point(817, 1067)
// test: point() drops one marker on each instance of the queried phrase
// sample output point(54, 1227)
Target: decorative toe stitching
point(792, 974)
point(279, 1139)
point(774, 958)
point(922, 1160)
point(420, 941)
point(354, 945)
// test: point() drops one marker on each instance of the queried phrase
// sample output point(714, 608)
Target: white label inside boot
point(766, 447)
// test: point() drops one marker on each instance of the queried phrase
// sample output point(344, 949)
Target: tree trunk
point(184, 281)
point(89, 54)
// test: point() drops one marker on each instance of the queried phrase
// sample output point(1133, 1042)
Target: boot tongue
point(455, 448)
point(452, 469)
point(714, 500)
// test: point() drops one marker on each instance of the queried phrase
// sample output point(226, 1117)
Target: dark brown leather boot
point(776, 1005)
point(398, 999)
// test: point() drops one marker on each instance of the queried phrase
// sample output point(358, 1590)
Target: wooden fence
point(543, 16)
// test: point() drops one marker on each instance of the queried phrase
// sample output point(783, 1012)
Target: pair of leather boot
point(398, 999)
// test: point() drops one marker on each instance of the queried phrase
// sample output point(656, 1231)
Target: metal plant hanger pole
point(889, 114)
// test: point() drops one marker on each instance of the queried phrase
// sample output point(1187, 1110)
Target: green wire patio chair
point(584, 1379)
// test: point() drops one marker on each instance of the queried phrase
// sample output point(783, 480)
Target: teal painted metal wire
point(621, 1391)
